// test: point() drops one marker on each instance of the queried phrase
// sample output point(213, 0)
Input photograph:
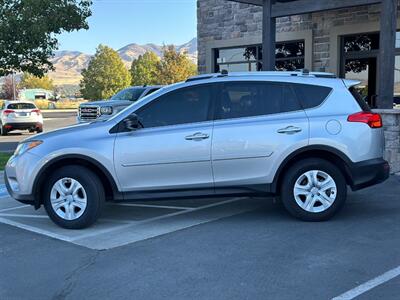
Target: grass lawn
point(3, 159)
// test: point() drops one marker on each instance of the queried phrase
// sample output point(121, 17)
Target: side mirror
point(132, 123)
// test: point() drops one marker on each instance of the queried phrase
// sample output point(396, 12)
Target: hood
point(107, 103)
point(73, 129)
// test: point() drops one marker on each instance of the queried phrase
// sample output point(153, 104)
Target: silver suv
point(303, 136)
point(105, 109)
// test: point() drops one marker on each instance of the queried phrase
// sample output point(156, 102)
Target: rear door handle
point(290, 130)
point(198, 136)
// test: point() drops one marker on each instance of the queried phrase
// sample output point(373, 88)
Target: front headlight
point(26, 146)
point(106, 110)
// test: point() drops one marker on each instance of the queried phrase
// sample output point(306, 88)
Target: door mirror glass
point(131, 123)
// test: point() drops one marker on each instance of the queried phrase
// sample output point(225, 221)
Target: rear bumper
point(367, 173)
point(23, 125)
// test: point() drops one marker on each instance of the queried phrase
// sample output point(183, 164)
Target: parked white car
point(20, 115)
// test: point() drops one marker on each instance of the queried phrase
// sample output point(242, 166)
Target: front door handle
point(198, 136)
point(290, 130)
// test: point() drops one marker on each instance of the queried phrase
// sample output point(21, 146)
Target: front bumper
point(367, 173)
point(19, 175)
point(25, 199)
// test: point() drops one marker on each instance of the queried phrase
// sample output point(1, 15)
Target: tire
point(4, 131)
point(39, 130)
point(78, 211)
point(31, 130)
point(313, 201)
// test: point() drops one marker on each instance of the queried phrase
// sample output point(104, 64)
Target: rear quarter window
point(359, 98)
point(311, 95)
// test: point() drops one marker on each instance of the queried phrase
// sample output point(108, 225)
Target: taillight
point(37, 111)
point(371, 119)
point(7, 112)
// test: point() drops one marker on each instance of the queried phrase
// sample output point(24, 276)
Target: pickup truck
point(105, 109)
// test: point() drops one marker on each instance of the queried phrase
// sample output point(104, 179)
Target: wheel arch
point(107, 180)
point(330, 154)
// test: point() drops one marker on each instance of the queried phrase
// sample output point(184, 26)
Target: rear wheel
point(313, 190)
point(39, 130)
point(4, 130)
point(74, 197)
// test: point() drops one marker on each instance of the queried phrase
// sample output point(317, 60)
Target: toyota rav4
point(303, 136)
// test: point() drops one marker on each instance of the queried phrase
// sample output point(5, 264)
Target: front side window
point(247, 99)
point(188, 105)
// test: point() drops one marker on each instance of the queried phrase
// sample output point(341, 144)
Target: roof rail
point(299, 73)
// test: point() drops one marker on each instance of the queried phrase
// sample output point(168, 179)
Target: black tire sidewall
point(295, 172)
point(94, 192)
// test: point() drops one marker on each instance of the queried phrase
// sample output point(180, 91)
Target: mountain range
point(69, 64)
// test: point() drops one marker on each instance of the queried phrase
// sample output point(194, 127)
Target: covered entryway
point(377, 64)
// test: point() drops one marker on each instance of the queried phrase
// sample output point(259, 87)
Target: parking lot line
point(24, 216)
point(369, 285)
point(93, 234)
point(35, 229)
point(13, 208)
point(154, 206)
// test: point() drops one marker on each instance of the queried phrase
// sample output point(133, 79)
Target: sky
point(117, 23)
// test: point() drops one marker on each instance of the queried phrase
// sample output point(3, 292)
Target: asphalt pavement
point(255, 252)
point(52, 121)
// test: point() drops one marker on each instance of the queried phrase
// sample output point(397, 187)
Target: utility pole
point(13, 85)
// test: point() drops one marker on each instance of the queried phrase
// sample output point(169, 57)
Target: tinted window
point(21, 106)
point(360, 100)
point(246, 99)
point(311, 95)
point(189, 105)
point(131, 94)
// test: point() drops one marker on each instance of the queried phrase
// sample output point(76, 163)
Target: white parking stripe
point(24, 216)
point(13, 208)
point(369, 285)
point(93, 234)
point(35, 229)
point(154, 206)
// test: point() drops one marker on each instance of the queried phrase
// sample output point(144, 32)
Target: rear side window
point(357, 96)
point(311, 95)
point(21, 106)
point(247, 99)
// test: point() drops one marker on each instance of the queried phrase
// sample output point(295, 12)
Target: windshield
point(131, 94)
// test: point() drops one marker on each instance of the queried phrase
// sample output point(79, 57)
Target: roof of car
point(303, 77)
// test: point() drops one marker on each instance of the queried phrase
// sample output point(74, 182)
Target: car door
point(173, 149)
point(256, 124)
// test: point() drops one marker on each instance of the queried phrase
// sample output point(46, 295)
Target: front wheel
point(74, 197)
point(313, 190)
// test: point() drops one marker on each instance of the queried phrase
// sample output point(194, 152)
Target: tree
point(145, 69)
point(28, 30)
point(175, 66)
point(7, 91)
point(29, 81)
point(105, 75)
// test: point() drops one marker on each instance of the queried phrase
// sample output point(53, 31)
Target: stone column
point(391, 125)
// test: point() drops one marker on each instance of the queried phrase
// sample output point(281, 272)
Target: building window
point(289, 57)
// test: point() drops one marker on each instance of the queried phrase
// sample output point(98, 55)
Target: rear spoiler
point(350, 83)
